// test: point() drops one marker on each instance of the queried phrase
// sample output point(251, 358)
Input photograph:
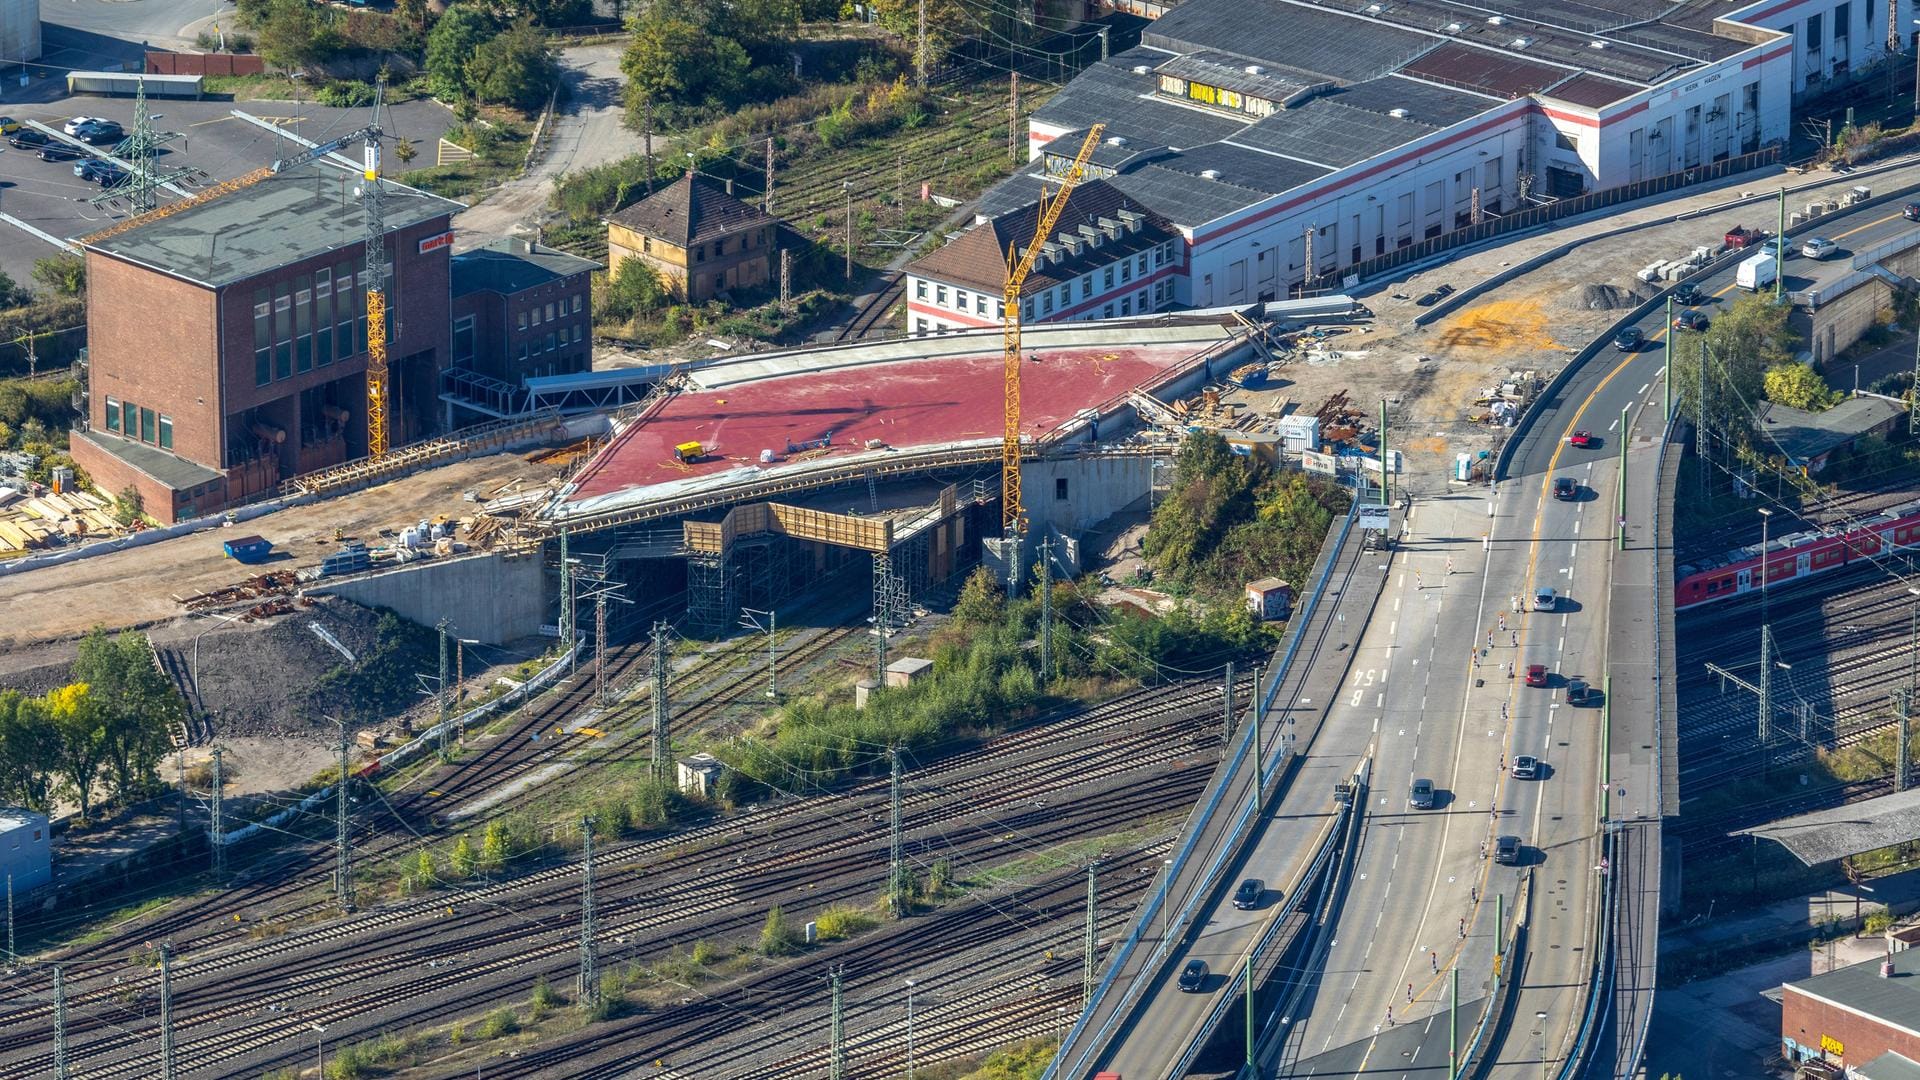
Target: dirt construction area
point(1431, 376)
point(144, 586)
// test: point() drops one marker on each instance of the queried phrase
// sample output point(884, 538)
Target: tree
point(515, 68)
point(493, 849)
point(1746, 340)
point(678, 61)
point(414, 12)
point(29, 752)
point(980, 600)
point(460, 862)
point(65, 274)
point(949, 22)
point(291, 33)
point(11, 294)
point(634, 289)
point(137, 704)
point(421, 877)
point(76, 720)
point(461, 31)
point(1210, 486)
point(1798, 386)
point(405, 151)
point(776, 937)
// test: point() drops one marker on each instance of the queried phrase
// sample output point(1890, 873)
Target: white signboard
point(1372, 464)
point(1373, 518)
point(1315, 462)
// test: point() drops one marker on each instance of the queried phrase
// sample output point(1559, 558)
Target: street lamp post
point(909, 1029)
point(320, 1049)
point(1766, 519)
point(847, 187)
point(1541, 1019)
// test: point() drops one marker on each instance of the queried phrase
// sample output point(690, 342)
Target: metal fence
point(1547, 213)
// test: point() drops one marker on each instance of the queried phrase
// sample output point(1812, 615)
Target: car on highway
point(74, 125)
point(1506, 850)
point(1582, 440)
point(1247, 896)
point(1687, 292)
point(104, 173)
point(1690, 320)
point(1578, 691)
point(1629, 340)
point(1421, 796)
point(1911, 211)
point(1819, 247)
point(1536, 674)
point(1526, 767)
point(1194, 976)
point(1566, 489)
point(1545, 599)
point(58, 152)
point(28, 139)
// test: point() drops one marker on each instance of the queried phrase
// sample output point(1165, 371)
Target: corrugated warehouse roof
point(305, 211)
point(1840, 831)
point(1112, 94)
point(1300, 37)
point(1891, 1065)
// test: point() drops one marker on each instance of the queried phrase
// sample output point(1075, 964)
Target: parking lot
point(214, 145)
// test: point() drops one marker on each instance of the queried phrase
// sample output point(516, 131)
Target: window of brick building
point(549, 311)
point(576, 303)
point(262, 337)
point(113, 415)
point(147, 425)
point(166, 433)
point(303, 322)
point(522, 321)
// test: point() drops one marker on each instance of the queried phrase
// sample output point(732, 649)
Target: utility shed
point(1269, 598)
point(698, 774)
point(908, 670)
point(26, 848)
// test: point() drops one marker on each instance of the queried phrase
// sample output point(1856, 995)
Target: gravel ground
point(139, 587)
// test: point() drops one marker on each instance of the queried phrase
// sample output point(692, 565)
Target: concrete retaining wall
point(491, 598)
point(1096, 489)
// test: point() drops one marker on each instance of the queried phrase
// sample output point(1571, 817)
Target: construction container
point(1269, 598)
point(689, 451)
point(248, 549)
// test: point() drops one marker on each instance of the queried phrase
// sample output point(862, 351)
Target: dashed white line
point(1614, 424)
point(1643, 388)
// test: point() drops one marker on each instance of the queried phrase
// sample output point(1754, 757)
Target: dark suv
point(1193, 976)
point(1247, 896)
point(27, 139)
point(104, 173)
point(1630, 339)
point(1566, 489)
point(104, 131)
point(1506, 850)
point(1686, 292)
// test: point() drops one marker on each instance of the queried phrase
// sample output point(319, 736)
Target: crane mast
point(1019, 265)
point(372, 200)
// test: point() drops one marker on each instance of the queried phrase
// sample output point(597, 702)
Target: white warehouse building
point(1271, 133)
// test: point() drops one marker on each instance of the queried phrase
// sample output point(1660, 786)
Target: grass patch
point(499, 140)
point(1062, 856)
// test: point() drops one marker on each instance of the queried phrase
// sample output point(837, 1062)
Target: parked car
point(74, 125)
point(104, 173)
point(1578, 692)
point(27, 138)
point(1566, 489)
point(1687, 292)
point(1247, 896)
point(1690, 320)
point(1582, 440)
point(58, 152)
point(1194, 976)
point(8, 125)
point(1630, 339)
point(1911, 211)
point(106, 131)
point(1526, 767)
point(1818, 247)
point(1506, 850)
point(1536, 674)
point(1421, 797)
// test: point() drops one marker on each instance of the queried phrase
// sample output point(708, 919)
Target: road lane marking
point(1643, 388)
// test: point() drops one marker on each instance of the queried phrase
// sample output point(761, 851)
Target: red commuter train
point(1790, 558)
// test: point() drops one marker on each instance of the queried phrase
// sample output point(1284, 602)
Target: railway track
point(368, 962)
point(870, 314)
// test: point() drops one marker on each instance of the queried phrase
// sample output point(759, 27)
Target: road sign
point(1373, 518)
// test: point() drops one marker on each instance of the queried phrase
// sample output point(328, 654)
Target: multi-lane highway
point(1437, 685)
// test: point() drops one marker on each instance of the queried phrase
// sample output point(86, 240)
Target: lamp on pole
point(1541, 1019)
point(1766, 519)
point(847, 187)
point(909, 1029)
point(320, 1048)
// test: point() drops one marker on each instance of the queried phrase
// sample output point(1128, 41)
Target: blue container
point(248, 549)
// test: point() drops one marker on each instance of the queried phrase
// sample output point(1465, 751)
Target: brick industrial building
point(520, 310)
point(699, 238)
point(227, 341)
point(1856, 1018)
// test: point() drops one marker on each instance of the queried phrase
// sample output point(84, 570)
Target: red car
point(1581, 440)
point(1536, 674)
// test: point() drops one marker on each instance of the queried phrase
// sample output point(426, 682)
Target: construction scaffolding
point(710, 590)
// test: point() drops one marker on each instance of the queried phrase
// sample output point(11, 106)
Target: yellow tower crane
point(1019, 265)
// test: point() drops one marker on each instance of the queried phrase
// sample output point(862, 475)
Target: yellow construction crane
point(1019, 265)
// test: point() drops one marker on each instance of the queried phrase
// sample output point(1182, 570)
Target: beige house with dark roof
point(1109, 257)
point(699, 238)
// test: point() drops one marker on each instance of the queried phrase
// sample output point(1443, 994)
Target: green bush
point(839, 921)
point(499, 1023)
point(776, 937)
point(348, 94)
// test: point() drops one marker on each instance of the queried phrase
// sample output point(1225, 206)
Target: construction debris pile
point(1502, 404)
point(272, 593)
point(34, 515)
